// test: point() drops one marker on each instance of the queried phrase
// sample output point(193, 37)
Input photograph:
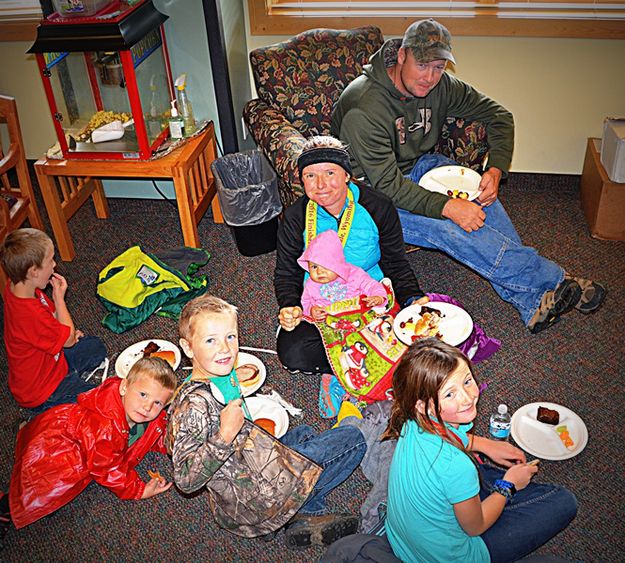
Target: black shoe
point(592, 295)
point(304, 531)
point(554, 304)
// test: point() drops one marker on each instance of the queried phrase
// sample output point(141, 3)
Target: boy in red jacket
point(101, 438)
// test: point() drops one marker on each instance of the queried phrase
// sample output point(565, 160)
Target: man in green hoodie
point(391, 117)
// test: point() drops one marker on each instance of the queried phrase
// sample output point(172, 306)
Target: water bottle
point(500, 423)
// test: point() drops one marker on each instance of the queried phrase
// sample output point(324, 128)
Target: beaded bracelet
point(504, 488)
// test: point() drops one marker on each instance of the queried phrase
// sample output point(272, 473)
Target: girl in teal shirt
point(443, 504)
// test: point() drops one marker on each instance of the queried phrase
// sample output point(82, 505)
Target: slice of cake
point(548, 416)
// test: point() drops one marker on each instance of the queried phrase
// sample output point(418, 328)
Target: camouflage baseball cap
point(428, 41)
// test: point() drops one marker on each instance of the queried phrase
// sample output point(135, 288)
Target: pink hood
point(327, 251)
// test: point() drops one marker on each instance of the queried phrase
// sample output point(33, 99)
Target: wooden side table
point(67, 184)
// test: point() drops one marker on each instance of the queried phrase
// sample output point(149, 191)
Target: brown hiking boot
point(592, 295)
point(554, 304)
point(304, 531)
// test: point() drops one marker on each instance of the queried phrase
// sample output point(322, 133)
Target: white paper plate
point(455, 327)
point(446, 178)
point(133, 353)
point(242, 359)
point(262, 407)
point(542, 440)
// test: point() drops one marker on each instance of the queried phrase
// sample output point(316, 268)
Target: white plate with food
point(269, 415)
point(153, 347)
point(563, 434)
point(251, 373)
point(454, 181)
point(452, 324)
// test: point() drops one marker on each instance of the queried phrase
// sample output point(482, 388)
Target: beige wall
point(558, 89)
point(20, 78)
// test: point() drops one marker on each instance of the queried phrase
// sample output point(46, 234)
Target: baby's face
point(214, 344)
point(143, 399)
point(319, 274)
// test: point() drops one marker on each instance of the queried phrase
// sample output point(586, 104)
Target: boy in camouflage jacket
point(256, 484)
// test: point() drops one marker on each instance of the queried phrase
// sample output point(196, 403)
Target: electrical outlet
point(244, 129)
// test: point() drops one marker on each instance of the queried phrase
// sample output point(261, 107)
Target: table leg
point(99, 200)
point(185, 210)
point(49, 191)
point(217, 215)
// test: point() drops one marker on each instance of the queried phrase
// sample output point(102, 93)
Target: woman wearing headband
point(368, 226)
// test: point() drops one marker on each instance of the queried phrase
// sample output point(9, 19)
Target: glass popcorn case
point(108, 80)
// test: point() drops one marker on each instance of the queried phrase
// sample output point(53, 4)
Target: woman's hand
point(290, 317)
point(502, 453)
point(318, 313)
point(520, 474)
point(155, 487)
point(231, 420)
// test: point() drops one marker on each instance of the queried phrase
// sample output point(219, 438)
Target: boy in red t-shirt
point(46, 353)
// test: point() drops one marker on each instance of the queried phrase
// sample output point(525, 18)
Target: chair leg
point(26, 187)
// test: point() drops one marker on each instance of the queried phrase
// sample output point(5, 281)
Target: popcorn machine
point(107, 79)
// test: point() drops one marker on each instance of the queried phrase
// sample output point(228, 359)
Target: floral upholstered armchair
point(299, 80)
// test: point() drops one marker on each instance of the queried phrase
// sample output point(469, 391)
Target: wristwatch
point(504, 488)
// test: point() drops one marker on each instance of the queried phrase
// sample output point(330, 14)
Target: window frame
point(487, 23)
point(19, 19)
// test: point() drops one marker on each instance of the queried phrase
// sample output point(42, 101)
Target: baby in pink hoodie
point(333, 279)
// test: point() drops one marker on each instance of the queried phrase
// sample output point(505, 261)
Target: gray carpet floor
point(577, 363)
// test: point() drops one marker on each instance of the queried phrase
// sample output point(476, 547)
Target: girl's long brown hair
point(420, 374)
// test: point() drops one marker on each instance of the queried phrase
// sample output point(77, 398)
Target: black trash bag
point(247, 189)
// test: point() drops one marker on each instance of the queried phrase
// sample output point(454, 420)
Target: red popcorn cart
point(106, 74)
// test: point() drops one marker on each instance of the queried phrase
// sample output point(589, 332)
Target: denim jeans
point(531, 518)
point(83, 357)
point(338, 451)
point(495, 251)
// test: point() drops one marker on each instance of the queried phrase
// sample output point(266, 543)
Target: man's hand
point(290, 317)
point(489, 186)
point(466, 214)
point(231, 420)
point(59, 286)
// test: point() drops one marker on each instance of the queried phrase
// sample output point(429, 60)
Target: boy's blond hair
point(156, 369)
point(204, 304)
point(21, 250)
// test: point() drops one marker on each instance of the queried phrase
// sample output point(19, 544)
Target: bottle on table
point(500, 423)
point(184, 105)
point(176, 123)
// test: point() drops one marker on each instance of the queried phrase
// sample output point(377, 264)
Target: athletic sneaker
point(331, 394)
point(592, 295)
point(554, 304)
point(304, 530)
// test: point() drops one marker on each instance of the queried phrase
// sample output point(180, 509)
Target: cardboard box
point(613, 148)
point(603, 201)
